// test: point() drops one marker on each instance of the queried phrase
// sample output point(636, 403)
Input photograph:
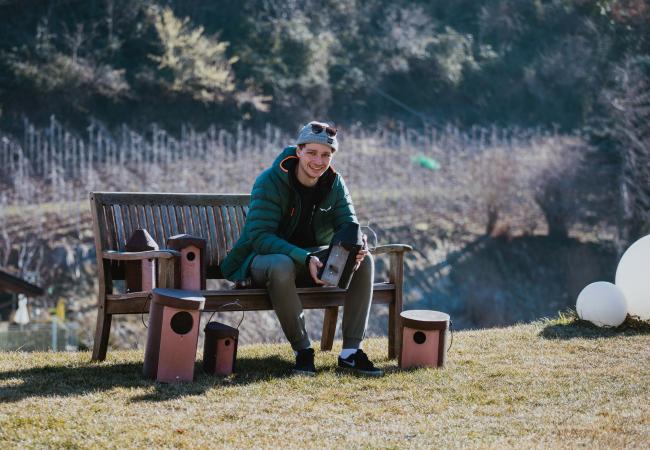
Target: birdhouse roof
point(13, 284)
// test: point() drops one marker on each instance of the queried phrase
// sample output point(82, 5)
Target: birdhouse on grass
point(220, 349)
point(172, 336)
point(424, 338)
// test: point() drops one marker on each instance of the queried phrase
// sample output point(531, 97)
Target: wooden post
point(329, 327)
point(167, 268)
point(102, 332)
point(140, 275)
point(103, 327)
point(395, 276)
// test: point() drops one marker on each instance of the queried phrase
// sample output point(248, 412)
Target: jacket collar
point(285, 166)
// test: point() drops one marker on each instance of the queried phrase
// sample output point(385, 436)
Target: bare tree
point(629, 105)
point(5, 240)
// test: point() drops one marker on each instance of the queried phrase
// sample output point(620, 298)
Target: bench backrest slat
point(217, 218)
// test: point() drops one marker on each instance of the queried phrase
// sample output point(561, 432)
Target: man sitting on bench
point(296, 206)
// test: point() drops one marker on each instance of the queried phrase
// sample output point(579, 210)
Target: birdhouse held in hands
point(341, 256)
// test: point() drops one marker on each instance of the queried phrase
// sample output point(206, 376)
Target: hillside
point(507, 214)
point(481, 281)
point(548, 384)
point(495, 61)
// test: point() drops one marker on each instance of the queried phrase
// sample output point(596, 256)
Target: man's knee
point(281, 269)
point(368, 264)
point(366, 271)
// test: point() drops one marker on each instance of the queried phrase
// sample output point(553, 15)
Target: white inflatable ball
point(602, 304)
point(633, 278)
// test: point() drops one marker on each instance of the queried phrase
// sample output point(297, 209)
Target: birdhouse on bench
point(424, 337)
point(220, 349)
point(140, 275)
point(172, 336)
point(191, 275)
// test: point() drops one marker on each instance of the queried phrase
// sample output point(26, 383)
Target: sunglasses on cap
point(317, 128)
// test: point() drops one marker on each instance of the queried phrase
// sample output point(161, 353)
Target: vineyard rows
point(452, 184)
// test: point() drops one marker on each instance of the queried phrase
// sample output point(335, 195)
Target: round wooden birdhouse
point(424, 336)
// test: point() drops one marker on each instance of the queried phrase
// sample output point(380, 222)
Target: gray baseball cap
point(318, 133)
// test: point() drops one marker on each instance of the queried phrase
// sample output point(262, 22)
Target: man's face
point(313, 160)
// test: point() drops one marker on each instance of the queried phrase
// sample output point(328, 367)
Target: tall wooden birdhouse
point(172, 335)
point(191, 275)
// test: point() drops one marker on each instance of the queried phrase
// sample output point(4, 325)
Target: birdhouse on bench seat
point(173, 335)
point(140, 275)
point(220, 349)
point(424, 337)
point(191, 275)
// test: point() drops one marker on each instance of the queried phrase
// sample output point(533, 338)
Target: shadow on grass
point(586, 330)
point(248, 371)
point(90, 377)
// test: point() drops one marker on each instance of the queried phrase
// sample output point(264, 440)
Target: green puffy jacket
point(274, 211)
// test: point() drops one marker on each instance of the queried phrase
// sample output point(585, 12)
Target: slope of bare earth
point(480, 280)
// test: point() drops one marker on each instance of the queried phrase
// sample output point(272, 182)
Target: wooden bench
point(219, 219)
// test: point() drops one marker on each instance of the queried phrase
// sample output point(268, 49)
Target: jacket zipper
point(296, 211)
point(311, 218)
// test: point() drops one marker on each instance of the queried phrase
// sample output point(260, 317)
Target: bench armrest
point(167, 261)
point(137, 256)
point(391, 248)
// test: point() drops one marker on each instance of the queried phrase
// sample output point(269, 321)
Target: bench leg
point(395, 329)
point(329, 327)
point(396, 276)
point(392, 332)
point(102, 331)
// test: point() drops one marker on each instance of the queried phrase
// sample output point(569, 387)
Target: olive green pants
point(280, 276)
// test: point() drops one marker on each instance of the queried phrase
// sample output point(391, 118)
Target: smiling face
point(313, 161)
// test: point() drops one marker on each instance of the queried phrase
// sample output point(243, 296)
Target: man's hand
point(362, 253)
point(314, 265)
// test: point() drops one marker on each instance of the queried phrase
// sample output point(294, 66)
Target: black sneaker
point(360, 364)
point(305, 363)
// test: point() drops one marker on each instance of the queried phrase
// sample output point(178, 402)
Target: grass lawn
point(554, 383)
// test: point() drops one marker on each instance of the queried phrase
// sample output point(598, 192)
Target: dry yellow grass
point(548, 384)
